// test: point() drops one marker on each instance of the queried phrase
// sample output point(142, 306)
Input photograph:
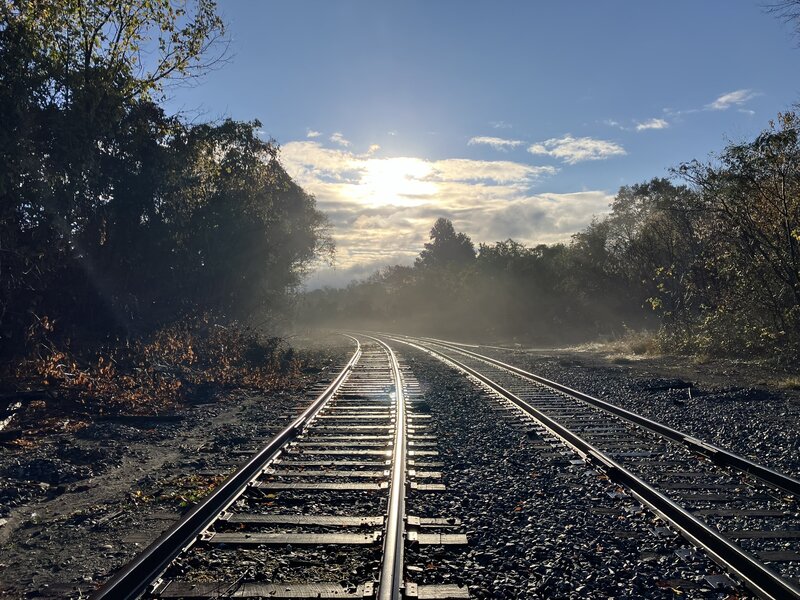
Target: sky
point(513, 119)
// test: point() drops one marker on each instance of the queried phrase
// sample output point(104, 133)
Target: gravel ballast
point(539, 525)
point(754, 421)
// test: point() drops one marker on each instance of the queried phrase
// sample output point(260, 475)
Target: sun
point(394, 181)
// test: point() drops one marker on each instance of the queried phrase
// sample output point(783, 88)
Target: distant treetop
point(446, 248)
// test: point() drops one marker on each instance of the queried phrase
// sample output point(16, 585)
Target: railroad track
point(743, 515)
point(320, 511)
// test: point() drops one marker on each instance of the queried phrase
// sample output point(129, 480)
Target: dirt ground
point(76, 506)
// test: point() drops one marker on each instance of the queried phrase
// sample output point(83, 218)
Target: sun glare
point(394, 181)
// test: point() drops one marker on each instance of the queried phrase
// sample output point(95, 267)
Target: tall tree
point(446, 248)
point(114, 216)
point(752, 199)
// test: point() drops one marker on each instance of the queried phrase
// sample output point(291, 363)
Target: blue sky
point(514, 119)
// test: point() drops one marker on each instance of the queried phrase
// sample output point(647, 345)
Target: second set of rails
point(742, 515)
point(322, 510)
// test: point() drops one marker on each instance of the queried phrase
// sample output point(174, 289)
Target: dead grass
point(622, 350)
point(702, 359)
point(789, 383)
point(186, 362)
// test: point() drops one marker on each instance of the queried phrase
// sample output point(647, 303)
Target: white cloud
point(338, 138)
point(311, 133)
point(652, 124)
point(498, 171)
point(500, 124)
point(725, 101)
point(382, 208)
point(312, 164)
point(373, 149)
point(574, 150)
point(308, 161)
point(495, 142)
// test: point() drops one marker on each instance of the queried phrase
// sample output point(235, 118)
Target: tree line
point(117, 218)
point(709, 258)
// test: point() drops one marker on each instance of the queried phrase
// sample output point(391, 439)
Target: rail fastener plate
point(437, 539)
point(414, 521)
point(427, 487)
point(436, 592)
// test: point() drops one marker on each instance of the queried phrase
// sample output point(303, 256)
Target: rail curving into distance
point(716, 454)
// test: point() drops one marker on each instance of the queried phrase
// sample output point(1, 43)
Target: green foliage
point(116, 218)
point(746, 272)
point(135, 45)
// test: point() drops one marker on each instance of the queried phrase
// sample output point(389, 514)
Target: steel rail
point(717, 455)
point(391, 577)
point(759, 578)
point(143, 570)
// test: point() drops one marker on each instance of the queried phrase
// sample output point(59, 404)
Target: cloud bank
point(382, 209)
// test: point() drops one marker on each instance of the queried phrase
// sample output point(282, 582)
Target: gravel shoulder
point(733, 404)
